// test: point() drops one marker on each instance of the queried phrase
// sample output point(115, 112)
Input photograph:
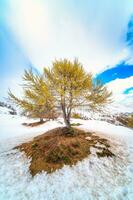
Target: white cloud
point(47, 31)
point(119, 85)
point(28, 21)
point(121, 102)
point(13, 84)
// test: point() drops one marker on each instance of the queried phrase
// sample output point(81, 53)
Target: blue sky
point(121, 71)
point(128, 90)
point(35, 32)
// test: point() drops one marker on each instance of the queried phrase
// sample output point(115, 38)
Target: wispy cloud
point(118, 87)
point(93, 31)
point(42, 30)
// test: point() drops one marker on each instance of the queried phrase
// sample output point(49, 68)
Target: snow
point(110, 131)
point(91, 179)
point(4, 110)
point(13, 132)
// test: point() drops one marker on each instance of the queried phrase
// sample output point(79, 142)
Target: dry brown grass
point(126, 120)
point(55, 148)
point(33, 124)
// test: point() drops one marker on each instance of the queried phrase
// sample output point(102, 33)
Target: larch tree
point(72, 87)
point(37, 101)
point(64, 86)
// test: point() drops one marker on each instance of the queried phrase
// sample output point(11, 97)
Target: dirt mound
point(62, 146)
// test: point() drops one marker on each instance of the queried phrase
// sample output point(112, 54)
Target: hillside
point(93, 176)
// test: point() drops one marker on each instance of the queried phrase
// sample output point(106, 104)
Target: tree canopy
point(64, 86)
point(37, 101)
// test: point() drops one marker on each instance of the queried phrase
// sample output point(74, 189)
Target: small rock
point(88, 138)
point(131, 169)
point(125, 191)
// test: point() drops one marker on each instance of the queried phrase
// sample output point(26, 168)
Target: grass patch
point(76, 115)
point(126, 120)
point(76, 124)
point(56, 148)
point(33, 124)
point(105, 152)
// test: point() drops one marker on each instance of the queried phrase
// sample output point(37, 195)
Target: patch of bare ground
point(62, 146)
point(33, 124)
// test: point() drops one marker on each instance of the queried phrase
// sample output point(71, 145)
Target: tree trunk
point(66, 118)
point(41, 120)
point(67, 122)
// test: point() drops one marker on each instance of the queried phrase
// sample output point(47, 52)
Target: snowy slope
point(4, 110)
point(91, 179)
point(12, 130)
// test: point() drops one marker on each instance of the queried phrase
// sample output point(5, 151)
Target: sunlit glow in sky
point(35, 32)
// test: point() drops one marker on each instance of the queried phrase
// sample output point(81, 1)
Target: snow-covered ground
point(91, 179)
